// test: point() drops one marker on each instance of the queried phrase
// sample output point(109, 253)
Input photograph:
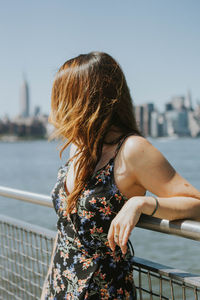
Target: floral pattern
point(84, 266)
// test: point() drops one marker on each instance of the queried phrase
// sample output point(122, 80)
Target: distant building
point(36, 111)
point(177, 123)
point(154, 124)
point(143, 117)
point(24, 100)
point(162, 125)
point(158, 124)
point(194, 124)
point(168, 106)
point(34, 127)
point(178, 102)
point(139, 115)
point(197, 109)
point(148, 109)
point(188, 101)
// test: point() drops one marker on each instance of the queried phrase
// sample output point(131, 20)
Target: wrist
point(145, 204)
point(139, 203)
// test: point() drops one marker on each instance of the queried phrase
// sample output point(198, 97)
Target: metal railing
point(156, 281)
point(26, 251)
point(24, 258)
point(184, 228)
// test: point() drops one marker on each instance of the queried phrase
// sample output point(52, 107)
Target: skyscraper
point(139, 112)
point(24, 99)
point(148, 109)
point(188, 100)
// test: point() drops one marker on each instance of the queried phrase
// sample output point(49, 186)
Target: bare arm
point(177, 198)
point(50, 267)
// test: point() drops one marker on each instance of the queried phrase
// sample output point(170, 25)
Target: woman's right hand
point(124, 222)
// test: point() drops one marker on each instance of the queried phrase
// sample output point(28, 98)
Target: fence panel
point(25, 256)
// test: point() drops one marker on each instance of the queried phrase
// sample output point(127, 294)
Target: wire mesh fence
point(156, 281)
point(24, 258)
point(25, 252)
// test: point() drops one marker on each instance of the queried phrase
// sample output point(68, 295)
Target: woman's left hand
point(122, 225)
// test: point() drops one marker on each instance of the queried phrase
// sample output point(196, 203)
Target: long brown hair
point(89, 95)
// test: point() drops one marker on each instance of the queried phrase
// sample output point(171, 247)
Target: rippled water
point(33, 165)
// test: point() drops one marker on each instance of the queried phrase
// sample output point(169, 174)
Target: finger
point(121, 234)
point(124, 249)
point(110, 237)
point(116, 238)
point(116, 233)
point(127, 233)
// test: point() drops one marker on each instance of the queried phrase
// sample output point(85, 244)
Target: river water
point(33, 165)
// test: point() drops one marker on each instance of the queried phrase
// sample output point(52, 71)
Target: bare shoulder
point(148, 165)
point(136, 146)
point(142, 157)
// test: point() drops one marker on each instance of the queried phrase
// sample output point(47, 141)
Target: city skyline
point(25, 110)
point(156, 43)
point(24, 104)
point(180, 117)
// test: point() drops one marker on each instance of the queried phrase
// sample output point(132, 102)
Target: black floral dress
point(84, 266)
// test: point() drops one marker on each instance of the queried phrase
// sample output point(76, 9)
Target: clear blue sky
point(157, 43)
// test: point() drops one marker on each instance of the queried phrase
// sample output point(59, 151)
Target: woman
point(100, 192)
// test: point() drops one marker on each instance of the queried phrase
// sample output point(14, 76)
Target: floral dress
point(84, 266)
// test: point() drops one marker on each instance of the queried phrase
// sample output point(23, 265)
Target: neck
point(113, 134)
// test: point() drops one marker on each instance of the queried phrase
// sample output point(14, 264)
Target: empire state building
point(24, 99)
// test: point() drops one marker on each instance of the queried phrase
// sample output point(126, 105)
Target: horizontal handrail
point(185, 228)
point(22, 195)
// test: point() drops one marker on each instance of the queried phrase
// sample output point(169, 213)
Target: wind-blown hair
point(89, 95)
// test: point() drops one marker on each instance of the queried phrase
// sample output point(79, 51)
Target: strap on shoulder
point(121, 142)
